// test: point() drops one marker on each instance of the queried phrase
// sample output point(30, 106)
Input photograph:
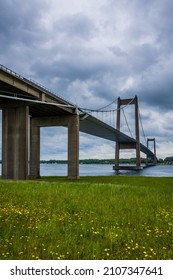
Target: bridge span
point(27, 105)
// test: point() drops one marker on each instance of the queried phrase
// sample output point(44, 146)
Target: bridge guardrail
point(33, 83)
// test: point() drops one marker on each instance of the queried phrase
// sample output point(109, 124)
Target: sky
point(90, 53)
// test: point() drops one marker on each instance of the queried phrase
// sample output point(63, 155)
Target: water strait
point(105, 170)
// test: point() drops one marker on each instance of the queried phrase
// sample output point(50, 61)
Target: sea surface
point(105, 170)
point(55, 169)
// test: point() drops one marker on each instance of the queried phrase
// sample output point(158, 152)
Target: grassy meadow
point(116, 217)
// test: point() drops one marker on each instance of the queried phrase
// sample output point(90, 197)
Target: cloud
point(77, 26)
point(53, 143)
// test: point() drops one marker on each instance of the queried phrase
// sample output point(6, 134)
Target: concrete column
point(73, 147)
point(15, 143)
point(117, 145)
point(34, 167)
point(138, 157)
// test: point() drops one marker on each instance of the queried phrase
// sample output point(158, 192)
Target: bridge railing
point(35, 84)
point(11, 72)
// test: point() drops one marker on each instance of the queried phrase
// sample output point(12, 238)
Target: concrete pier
point(15, 143)
point(73, 147)
point(34, 161)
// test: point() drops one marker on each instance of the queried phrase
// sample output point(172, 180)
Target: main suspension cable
point(111, 110)
point(127, 123)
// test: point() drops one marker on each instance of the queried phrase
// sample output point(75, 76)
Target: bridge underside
point(15, 146)
point(95, 127)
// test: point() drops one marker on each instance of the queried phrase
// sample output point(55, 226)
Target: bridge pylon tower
point(125, 145)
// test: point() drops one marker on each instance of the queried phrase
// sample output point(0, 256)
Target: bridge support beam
point(72, 122)
point(15, 143)
point(135, 145)
point(73, 147)
point(34, 165)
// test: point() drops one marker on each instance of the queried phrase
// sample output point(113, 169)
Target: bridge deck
point(95, 127)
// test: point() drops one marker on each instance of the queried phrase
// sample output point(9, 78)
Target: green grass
point(116, 217)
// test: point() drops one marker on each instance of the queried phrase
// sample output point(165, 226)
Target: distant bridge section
point(95, 127)
point(27, 105)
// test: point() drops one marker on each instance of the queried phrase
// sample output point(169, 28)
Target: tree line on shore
point(167, 160)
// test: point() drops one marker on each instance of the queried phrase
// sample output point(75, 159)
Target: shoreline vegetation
point(95, 218)
point(166, 161)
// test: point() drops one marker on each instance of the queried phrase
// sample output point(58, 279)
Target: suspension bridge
point(27, 106)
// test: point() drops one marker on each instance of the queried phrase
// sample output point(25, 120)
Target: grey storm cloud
point(19, 21)
point(77, 25)
point(93, 51)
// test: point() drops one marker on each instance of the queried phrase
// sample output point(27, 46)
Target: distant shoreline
point(166, 161)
